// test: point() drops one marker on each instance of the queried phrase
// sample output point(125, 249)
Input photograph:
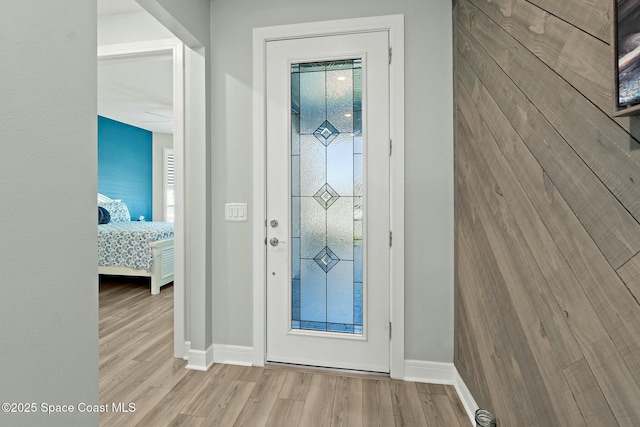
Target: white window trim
point(395, 25)
point(166, 152)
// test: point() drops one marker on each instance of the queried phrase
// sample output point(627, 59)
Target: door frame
point(394, 24)
point(176, 48)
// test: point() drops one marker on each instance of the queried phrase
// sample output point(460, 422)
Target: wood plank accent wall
point(547, 216)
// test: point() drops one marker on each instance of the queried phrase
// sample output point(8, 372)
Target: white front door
point(328, 203)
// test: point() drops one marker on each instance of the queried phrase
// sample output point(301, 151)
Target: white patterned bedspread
point(126, 244)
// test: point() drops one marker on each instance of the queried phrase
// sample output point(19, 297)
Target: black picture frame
point(626, 57)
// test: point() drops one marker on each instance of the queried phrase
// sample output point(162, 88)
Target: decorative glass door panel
point(326, 196)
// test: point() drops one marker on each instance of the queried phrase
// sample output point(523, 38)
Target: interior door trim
point(394, 24)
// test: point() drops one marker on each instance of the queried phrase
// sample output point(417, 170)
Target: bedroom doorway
point(174, 141)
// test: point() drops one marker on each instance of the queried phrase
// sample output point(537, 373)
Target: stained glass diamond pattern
point(326, 259)
point(331, 301)
point(326, 133)
point(326, 196)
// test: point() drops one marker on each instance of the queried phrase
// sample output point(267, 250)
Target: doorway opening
point(141, 52)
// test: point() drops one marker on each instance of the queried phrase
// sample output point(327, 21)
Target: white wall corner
point(465, 396)
point(233, 354)
point(200, 360)
point(421, 371)
point(187, 349)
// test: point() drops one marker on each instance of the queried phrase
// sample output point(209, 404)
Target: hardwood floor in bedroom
point(137, 366)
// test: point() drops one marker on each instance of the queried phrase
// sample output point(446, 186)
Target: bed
point(133, 248)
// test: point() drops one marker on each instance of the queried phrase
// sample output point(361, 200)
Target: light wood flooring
point(136, 366)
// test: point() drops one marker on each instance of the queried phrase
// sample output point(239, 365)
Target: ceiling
point(136, 90)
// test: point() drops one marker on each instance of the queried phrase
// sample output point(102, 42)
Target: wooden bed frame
point(161, 270)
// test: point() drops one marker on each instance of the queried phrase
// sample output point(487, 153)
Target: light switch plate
point(235, 212)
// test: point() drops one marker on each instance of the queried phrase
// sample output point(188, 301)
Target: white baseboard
point(429, 372)
point(441, 373)
point(218, 353)
point(200, 360)
point(233, 354)
point(466, 398)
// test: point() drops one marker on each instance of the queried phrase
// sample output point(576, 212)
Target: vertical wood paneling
point(547, 210)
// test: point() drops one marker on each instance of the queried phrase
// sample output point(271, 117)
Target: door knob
point(274, 241)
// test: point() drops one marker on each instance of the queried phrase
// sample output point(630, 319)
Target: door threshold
point(328, 371)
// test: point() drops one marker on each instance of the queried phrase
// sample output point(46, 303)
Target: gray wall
point(129, 28)
point(187, 19)
point(429, 161)
point(48, 127)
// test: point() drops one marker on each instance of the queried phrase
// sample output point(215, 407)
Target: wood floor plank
point(438, 410)
point(258, 407)
point(165, 393)
point(145, 401)
point(431, 388)
point(173, 402)
point(319, 404)
point(172, 374)
point(228, 406)
point(116, 343)
point(377, 409)
point(457, 406)
point(182, 420)
point(219, 379)
point(134, 377)
point(347, 403)
point(153, 316)
point(295, 386)
point(160, 347)
point(407, 408)
point(249, 373)
point(286, 413)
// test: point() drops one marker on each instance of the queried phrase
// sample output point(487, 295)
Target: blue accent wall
point(125, 165)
